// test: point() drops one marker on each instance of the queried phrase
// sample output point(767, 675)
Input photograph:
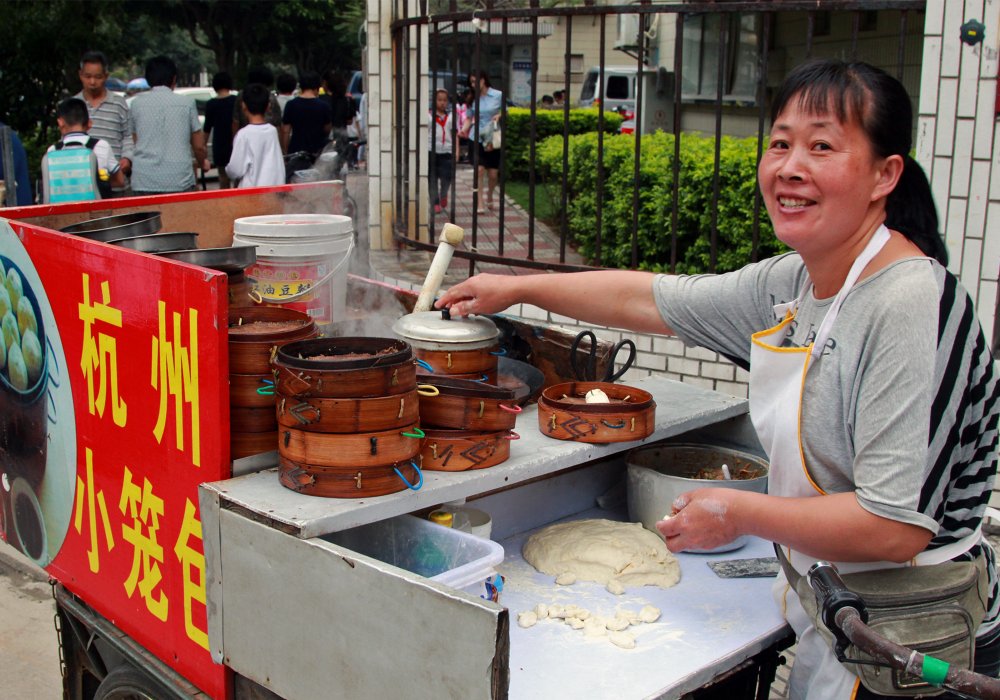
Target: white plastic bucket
point(302, 261)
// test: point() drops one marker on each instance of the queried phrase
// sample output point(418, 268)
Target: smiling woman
point(872, 388)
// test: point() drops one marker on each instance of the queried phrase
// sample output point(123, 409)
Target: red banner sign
point(113, 409)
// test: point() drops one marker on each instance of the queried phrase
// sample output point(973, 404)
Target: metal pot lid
point(439, 327)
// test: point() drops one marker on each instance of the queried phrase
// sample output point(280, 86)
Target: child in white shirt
point(442, 158)
point(257, 160)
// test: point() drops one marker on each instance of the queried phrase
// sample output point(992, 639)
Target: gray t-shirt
point(888, 410)
point(902, 406)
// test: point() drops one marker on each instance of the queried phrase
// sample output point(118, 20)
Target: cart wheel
point(125, 682)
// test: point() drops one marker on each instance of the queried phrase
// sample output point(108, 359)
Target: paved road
point(29, 656)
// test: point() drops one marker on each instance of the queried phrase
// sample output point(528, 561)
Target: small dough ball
point(575, 622)
point(31, 350)
point(594, 627)
point(583, 614)
point(16, 370)
point(541, 611)
point(649, 614)
point(556, 611)
point(566, 579)
point(630, 616)
point(5, 305)
point(617, 624)
point(14, 287)
point(11, 335)
point(622, 639)
point(596, 396)
point(615, 586)
point(527, 619)
point(571, 610)
point(26, 316)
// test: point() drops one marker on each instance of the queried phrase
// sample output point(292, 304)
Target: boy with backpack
point(78, 167)
point(257, 160)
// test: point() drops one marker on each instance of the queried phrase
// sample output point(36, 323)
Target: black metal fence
point(712, 65)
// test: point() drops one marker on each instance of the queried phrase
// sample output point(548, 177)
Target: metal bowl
point(657, 474)
point(110, 228)
point(233, 259)
point(159, 242)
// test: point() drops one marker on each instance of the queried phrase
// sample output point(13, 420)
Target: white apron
point(777, 378)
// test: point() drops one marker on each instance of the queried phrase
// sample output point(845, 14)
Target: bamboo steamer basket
point(253, 420)
point(348, 415)
point(462, 450)
point(256, 333)
point(461, 404)
point(348, 482)
point(350, 367)
point(243, 391)
point(377, 447)
point(245, 444)
point(564, 414)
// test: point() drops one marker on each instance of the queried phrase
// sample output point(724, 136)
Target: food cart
point(180, 573)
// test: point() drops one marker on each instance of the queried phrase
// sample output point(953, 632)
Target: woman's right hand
point(482, 294)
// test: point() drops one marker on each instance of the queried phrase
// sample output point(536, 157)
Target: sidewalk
point(407, 267)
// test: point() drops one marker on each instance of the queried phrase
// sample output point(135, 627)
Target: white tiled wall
point(957, 142)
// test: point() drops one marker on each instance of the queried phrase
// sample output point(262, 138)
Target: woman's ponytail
point(910, 210)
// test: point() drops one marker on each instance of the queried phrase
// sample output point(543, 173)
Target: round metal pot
point(658, 474)
point(437, 331)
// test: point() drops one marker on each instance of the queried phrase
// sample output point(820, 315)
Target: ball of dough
point(556, 611)
point(615, 586)
point(26, 316)
point(16, 370)
point(566, 579)
point(594, 627)
point(31, 350)
point(14, 287)
point(622, 639)
point(575, 622)
point(649, 614)
point(617, 624)
point(583, 614)
point(5, 304)
point(527, 619)
point(542, 611)
point(11, 335)
point(600, 550)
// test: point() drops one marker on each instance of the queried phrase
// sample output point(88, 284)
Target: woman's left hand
point(701, 519)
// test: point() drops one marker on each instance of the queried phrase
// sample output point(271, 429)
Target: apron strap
point(874, 245)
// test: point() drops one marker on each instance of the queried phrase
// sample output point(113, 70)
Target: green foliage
point(548, 122)
point(653, 199)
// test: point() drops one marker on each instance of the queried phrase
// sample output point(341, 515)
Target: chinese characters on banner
point(137, 371)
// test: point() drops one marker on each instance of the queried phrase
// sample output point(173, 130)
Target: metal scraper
point(760, 567)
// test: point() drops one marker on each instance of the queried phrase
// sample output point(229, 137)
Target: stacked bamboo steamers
point(254, 336)
point(348, 417)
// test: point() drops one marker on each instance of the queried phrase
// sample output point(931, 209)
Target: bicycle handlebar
point(845, 614)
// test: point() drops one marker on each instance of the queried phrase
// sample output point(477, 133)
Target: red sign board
point(113, 409)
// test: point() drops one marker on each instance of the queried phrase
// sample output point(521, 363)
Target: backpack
point(70, 174)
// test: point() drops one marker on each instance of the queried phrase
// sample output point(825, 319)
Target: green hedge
point(548, 122)
point(737, 185)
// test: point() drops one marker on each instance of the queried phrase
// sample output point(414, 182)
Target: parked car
point(618, 90)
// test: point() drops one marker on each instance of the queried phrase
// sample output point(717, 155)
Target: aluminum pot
point(658, 474)
point(454, 346)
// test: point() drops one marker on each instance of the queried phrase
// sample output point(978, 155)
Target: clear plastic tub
point(451, 557)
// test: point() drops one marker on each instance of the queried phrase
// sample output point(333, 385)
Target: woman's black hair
point(882, 107)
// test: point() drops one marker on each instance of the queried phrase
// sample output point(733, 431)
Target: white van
point(618, 91)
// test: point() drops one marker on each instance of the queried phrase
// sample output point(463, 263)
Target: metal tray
point(110, 228)
point(234, 259)
point(159, 242)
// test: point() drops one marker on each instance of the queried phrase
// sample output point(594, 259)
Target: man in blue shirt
point(20, 183)
point(166, 130)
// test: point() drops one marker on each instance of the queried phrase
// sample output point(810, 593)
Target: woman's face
point(820, 180)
